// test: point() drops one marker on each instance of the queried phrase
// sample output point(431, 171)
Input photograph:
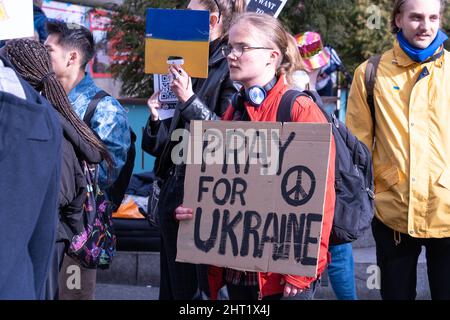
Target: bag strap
point(286, 103)
point(93, 105)
point(369, 81)
point(288, 99)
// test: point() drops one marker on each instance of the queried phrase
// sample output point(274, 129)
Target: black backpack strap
point(286, 103)
point(93, 105)
point(315, 96)
point(369, 81)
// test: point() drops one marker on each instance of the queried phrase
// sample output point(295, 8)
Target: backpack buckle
point(335, 120)
point(370, 193)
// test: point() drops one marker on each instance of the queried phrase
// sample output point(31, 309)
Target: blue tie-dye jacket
point(109, 121)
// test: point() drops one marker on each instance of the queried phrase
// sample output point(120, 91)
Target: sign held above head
point(177, 37)
point(270, 7)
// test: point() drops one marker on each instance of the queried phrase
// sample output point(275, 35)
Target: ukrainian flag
point(181, 33)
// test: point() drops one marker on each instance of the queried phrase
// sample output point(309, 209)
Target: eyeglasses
point(218, 8)
point(238, 51)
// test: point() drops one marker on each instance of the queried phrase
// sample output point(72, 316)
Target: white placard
point(16, 19)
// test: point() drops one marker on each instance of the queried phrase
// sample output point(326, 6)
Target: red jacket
point(303, 110)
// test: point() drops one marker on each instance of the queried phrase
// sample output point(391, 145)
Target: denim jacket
point(110, 122)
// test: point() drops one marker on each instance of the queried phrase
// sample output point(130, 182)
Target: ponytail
point(292, 60)
point(32, 61)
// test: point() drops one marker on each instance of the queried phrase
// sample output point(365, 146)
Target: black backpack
point(117, 190)
point(369, 81)
point(354, 183)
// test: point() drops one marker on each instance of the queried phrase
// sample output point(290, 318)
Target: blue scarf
point(420, 55)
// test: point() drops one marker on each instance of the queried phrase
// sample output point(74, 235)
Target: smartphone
point(175, 60)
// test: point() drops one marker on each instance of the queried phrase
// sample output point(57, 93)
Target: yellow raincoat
point(411, 153)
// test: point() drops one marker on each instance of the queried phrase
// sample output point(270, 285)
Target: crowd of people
point(400, 114)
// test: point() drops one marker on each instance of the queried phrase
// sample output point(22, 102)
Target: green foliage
point(343, 24)
point(347, 25)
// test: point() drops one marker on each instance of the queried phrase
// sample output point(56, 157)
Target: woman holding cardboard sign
point(262, 56)
point(199, 99)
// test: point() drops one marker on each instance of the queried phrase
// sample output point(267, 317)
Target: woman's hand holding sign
point(291, 290)
point(182, 213)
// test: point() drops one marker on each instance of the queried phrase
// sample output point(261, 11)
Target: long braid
point(32, 62)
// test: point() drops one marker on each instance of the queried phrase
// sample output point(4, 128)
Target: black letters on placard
point(265, 238)
point(227, 194)
point(311, 217)
point(238, 182)
point(283, 149)
point(297, 195)
point(201, 188)
point(203, 166)
point(297, 229)
point(250, 230)
point(206, 245)
point(227, 231)
point(279, 249)
point(235, 151)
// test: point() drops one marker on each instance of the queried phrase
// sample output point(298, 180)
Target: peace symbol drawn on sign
point(300, 195)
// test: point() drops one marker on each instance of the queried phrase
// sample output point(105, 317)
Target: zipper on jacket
point(397, 238)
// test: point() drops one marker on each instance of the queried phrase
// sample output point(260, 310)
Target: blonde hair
point(272, 34)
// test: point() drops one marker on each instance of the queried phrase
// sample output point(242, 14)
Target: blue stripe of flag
point(179, 25)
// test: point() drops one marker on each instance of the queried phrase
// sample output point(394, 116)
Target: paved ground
point(124, 292)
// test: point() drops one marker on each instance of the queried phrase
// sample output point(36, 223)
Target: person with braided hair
point(71, 47)
point(32, 61)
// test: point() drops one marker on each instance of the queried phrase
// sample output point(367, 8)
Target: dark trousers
point(178, 280)
point(75, 281)
point(240, 292)
point(398, 264)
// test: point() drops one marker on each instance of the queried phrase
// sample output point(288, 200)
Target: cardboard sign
point(177, 33)
point(16, 19)
point(270, 7)
point(262, 210)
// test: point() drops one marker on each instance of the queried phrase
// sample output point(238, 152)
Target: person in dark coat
point(30, 153)
point(39, 20)
point(199, 99)
point(32, 62)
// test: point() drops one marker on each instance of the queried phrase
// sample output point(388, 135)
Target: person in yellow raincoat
point(410, 141)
